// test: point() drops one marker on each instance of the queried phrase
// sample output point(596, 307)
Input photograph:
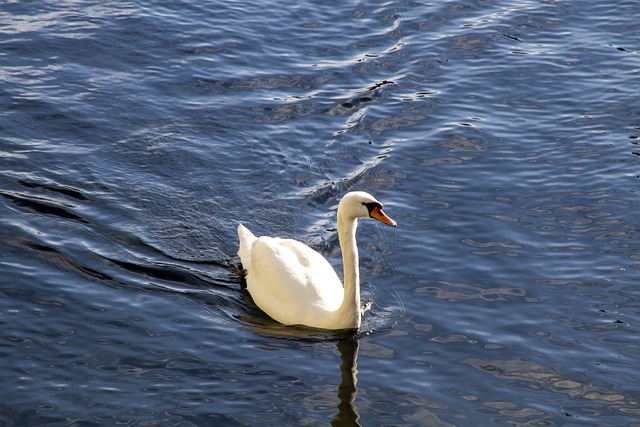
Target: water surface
point(501, 136)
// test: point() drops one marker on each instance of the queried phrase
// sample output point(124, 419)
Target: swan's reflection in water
point(347, 344)
point(347, 411)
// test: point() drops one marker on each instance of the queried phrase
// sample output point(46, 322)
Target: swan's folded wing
point(288, 277)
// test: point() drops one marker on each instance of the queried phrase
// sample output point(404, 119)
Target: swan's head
point(358, 204)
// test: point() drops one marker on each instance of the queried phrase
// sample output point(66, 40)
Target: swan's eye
point(371, 206)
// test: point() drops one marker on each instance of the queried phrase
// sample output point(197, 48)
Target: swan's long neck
point(349, 311)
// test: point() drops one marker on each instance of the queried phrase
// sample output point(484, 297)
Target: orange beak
point(376, 213)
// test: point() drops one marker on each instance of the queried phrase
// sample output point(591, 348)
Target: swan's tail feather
point(246, 242)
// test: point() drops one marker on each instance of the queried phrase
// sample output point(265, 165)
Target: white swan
point(295, 285)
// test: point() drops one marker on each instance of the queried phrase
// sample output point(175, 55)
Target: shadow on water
point(347, 410)
point(347, 344)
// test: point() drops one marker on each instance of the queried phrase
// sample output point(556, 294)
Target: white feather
point(295, 285)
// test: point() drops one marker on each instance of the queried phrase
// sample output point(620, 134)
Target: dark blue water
point(502, 136)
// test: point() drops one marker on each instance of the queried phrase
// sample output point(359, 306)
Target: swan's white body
point(295, 285)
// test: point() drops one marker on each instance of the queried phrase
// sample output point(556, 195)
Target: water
point(502, 136)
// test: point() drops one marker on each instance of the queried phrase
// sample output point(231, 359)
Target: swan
point(295, 285)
